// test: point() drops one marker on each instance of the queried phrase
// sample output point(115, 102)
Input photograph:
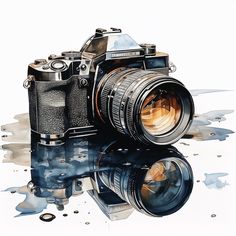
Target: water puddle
point(196, 92)
point(17, 153)
point(200, 130)
point(69, 168)
point(19, 131)
point(31, 204)
point(59, 172)
point(213, 180)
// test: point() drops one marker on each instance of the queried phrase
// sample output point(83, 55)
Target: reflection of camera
point(111, 82)
point(119, 175)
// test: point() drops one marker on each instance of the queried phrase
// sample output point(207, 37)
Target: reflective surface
point(110, 168)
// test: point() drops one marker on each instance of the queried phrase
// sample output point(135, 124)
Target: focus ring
point(107, 88)
point(118, 104)
point(110, 81)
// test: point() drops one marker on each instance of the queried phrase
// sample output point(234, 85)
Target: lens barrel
point(146, 105)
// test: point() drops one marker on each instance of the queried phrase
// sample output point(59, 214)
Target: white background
point(200, 38)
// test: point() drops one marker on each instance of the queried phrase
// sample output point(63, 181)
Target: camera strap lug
point(172, 67)
point(27, 82)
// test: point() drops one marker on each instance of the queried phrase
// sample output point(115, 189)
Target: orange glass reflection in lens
point(157, 173)
point(160, 114)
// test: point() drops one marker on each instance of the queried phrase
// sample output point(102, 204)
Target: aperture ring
point(104, 88)
point(120, 99)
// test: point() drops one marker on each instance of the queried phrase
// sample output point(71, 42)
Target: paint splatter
point(200, 130)
point(196, 92)
point(20, 130)
point(212, 180)
point(17, 153)
point(47, 217)
point(31, 204)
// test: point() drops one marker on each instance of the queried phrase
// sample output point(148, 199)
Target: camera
point(120, 176)
point(112, 83)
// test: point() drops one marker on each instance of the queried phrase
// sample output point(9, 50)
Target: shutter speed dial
point(58, 65)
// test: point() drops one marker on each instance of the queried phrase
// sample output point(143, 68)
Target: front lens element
point(163, 187)
point(161, 190)
point(161, 111)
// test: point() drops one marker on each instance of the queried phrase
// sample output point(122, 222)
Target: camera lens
point(164, 188)
point(146, 105)
point(159, 190)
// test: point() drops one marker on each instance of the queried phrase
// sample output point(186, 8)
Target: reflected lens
point(164, 186)
point(160, 190)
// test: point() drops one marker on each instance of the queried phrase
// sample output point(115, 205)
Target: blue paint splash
point(31, 204)
point(212, 180)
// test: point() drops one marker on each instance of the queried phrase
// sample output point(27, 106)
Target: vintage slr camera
point(112, 83)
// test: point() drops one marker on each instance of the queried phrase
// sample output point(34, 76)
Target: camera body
point(62, 90)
